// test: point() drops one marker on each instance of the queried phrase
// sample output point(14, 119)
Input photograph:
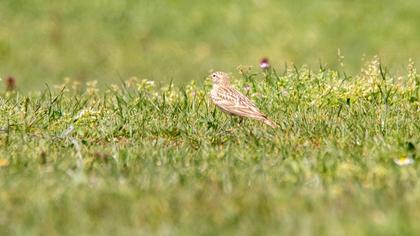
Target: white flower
point(404, 161)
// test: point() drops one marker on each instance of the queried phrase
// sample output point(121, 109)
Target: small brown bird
point(233, 102)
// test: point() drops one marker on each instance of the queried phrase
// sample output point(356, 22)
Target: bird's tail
point(269, 122)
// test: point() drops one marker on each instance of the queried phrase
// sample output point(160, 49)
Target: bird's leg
point(240, 122)
point(231, 120)
point(237, 120)
point(230, 124)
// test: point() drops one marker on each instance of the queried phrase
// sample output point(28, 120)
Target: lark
point(233, 102)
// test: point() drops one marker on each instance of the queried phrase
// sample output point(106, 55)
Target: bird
point(232, 102)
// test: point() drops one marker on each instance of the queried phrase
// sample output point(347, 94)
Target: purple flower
point(264, 64)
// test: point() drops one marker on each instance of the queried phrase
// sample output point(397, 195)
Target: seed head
point(10, 83)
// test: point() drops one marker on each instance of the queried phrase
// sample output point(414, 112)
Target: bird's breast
point(213, 94)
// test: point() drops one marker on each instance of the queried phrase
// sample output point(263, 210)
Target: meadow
point(137, 159)
point(107, 127)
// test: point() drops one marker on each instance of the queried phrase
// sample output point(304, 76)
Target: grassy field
point(109, 40)
point(137, 159)
point(107, 127)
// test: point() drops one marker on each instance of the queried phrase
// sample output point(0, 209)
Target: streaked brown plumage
point(233, 102)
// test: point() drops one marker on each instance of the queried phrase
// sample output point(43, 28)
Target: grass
point(126, 155)
point(43, 42)
point(142, 159)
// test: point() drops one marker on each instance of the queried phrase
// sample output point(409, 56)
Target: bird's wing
point(234, 102)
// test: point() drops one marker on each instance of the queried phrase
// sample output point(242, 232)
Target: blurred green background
point(109, 40)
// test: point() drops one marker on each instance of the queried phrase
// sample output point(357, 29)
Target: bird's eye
point(213, 75)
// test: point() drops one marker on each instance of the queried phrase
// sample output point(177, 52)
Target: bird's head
point(219, 78)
